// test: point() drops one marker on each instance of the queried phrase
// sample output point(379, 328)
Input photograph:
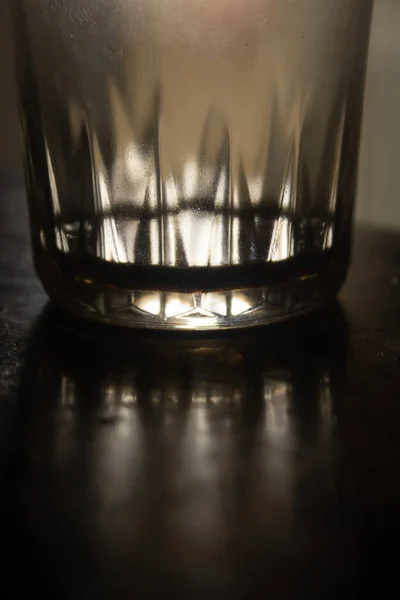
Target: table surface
point(137, 465)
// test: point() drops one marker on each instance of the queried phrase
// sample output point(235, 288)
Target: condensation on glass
point(191, 164)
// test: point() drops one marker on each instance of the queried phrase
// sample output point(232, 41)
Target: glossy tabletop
point(250, 465)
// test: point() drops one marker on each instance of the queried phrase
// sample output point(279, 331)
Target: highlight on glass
point(191, 165)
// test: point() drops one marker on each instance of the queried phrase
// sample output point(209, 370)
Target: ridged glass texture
point(191, 164)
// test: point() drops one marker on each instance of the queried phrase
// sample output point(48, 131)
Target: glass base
point(174, 309)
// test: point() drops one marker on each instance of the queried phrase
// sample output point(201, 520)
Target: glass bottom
point(169, 306)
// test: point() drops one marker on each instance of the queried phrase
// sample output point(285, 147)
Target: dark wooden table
point(251, 465)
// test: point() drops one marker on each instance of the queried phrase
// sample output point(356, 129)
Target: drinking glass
point(191, 164)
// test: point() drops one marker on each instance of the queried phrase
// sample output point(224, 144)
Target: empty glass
point(191, 164)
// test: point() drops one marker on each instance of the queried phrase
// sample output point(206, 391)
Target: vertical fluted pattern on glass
point(180, 136)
